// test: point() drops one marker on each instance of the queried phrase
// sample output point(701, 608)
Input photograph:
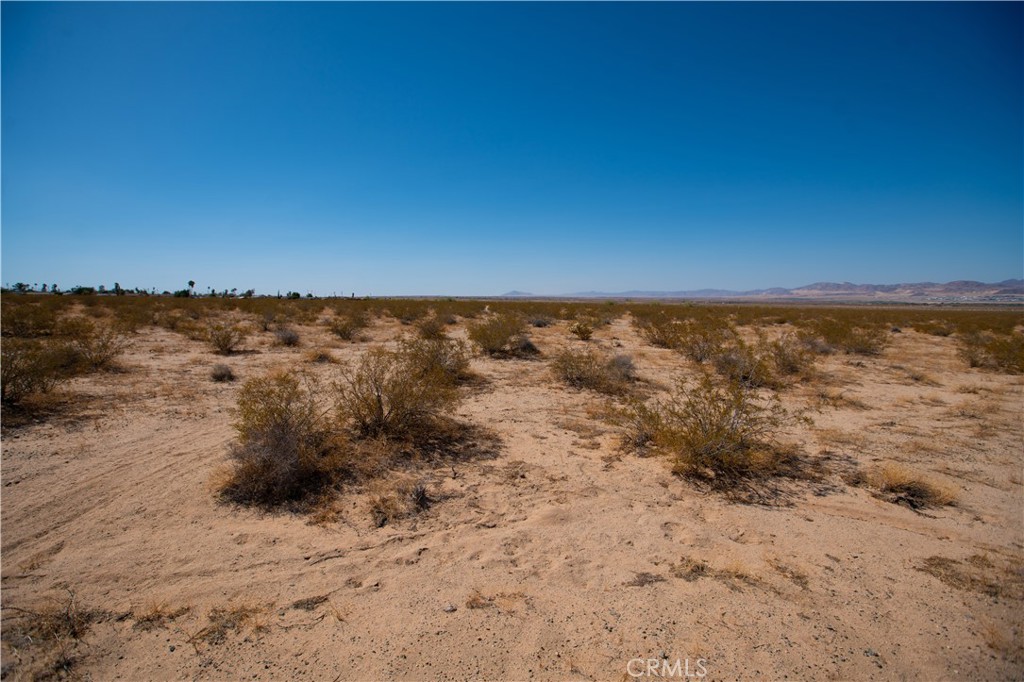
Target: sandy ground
point(555, 555)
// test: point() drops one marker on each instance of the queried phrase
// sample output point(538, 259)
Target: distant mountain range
point(1010, 290)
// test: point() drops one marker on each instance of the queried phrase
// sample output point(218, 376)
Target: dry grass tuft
point(156, 614)
point(977, 574)
point(320, 356)
point(643, 579)
point(224, 620)
point(398, 500)
point(900, 485)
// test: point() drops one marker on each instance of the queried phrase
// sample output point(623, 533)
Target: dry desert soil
point(549, 551)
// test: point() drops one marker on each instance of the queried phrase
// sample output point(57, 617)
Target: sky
point(476, 148)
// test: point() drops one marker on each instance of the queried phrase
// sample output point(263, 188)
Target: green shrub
point(26, 320)
point(745, 364)
point(91, 348)
point(844, 334)
point(789, 355)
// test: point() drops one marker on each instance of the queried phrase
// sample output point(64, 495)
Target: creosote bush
point(586, 368)
point(745, 364)
point(721, 434)
point(581, 330)
point(28, 367)
point(435, 359)
point(89, 348)
point(346, 326)
point(283, 452)
point(1003, 353)
point(224, 338)
point(503, 335)
point(285, 336)
point(390, 394)
point(847, 335)
point(702, 338)
point(431, 327)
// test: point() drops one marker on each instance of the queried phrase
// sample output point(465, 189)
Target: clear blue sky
point(476, 148)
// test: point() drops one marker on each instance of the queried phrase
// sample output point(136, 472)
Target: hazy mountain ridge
point(1009, 290)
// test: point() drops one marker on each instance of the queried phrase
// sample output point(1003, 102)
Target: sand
point(555, 555)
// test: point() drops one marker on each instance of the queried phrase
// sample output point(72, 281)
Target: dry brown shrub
point(28, 367)
point(225, 338)
point(722, 435)
point(284, 448)
point(503, 335)
point(586, 368)
point(386, 394)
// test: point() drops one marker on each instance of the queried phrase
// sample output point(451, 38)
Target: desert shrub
point(788, 355)
point(540, 321)
point(285, 336)
point(642, 425)
point(661, 331)
point(747, 364)
point(28, 367)
point(587, 369)
point(93, 348)
point(900, 485)
point(220, 372)
point(846, 335)
point(320, 355)
point(1000, 352)
point(283, 449)
point(387, 395)
point(935, 327)
point(581, 330)
point(26, 320)
point(131, 317)
point(346, 326)
point(703, 338)
point(725, 431)
point(225, 338)
point(430, 359)
point(720, 434)
point(431, 327)
point(503, 335)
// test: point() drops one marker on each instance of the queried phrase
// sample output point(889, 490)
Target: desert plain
point(548, 544)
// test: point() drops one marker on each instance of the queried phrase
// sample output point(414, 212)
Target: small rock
point(450, 608)
point(172, 647)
